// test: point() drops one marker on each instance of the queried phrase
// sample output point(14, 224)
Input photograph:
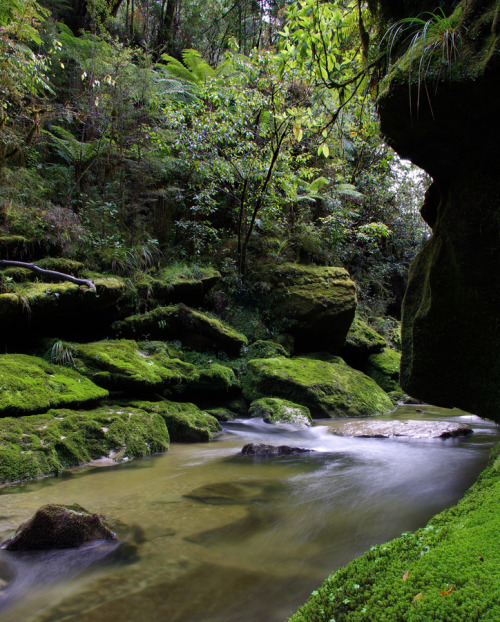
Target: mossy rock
point(383, 367)
point(214, 378)
point(63, 308)
point(194, 328)
point(18, 275)
point(186, 423)
point(444, 572)
point(222, 414)
point(61, 264)
point(40, 445)
point(276, 410)
point(329, 388)
point(13, 246)
point(28, 384)
point(362, 340)
point(264, 349)
point(316, 303)
point(188, 284)
point(122, 365)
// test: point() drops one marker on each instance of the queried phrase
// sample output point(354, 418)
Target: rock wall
point(448, 125)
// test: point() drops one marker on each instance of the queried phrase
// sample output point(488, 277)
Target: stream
point(208, 535)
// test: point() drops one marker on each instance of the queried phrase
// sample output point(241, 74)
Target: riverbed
point(205, 534)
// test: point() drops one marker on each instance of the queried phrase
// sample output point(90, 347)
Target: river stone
point(317, 302)
point(57, 527)
point(276, 410)
point(329, 388)
point(404, 429)
point(235, 493)
point(253, 449)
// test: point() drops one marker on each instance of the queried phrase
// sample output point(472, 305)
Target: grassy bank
point(448, 571)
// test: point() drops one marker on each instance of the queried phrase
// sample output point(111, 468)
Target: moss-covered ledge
point(447, 571)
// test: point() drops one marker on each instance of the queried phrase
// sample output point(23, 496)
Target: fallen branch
point(48, 273)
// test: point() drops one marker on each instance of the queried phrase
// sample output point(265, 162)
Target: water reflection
point(209, 535)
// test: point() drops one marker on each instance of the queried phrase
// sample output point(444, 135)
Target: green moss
point(61, 264)
point(276, 410)
point(122, 365)
point(215, 378)
point(316, 302)
point(40, 445)
point(193, 328)
point(29, 384)
point(411, 578)
point(186, 423)
point(329, 388)
point(383, 367)
point(222, 414)
point(19, 275)
point(363, 340)
point(264, 349)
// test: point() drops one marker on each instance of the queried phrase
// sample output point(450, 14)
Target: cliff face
point(439, 107)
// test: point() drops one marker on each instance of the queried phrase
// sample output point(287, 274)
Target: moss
point(363, 340)
point(215, 378)
point(162, 347)
point(41, 445)
point(222, 414)
point(18, 275)
point(29, 384)
point(186, 423)
point(122, 365)
point(276, 410)
point(13, 246)
point(264, 349)
point(317, 302)
point(193, 328)
point(61, 264)
point(445, 572)
point(383, 367)
point(329, 388)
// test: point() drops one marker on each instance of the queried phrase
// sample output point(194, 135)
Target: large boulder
point(401, 429)
point(329, 388)
point(186, 422)
point(57, 527)
point(383, 367)
point(194, 328)
point(434, 117)
point(317, 303)
point(40, 445)
point(361, 341)
point(28, 384)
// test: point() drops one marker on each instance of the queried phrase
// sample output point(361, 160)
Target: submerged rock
point(253, 449)
point(276, 410)
point(58, 526)
point(405, 429)
point(329, 388)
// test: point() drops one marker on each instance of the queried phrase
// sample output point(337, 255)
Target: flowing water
point(207, 535)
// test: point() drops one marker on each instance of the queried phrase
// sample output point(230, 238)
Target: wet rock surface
point(260, 449)
point(58, 527)
point(405, 429)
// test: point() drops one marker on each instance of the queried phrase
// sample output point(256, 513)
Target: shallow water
point(207, 535)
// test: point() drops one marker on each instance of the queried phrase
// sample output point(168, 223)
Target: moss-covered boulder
point(361, 341)
point(40, 445)
point(214, 378)
point(329, 388)
point(60, 308)
point(316, 303)
point(222, 413)
point(276, 410)
point(123, 365)
point(383, 367)
point(186, 423)
point(433, 117)
point(28, 384)
point(184, 283)
point(194, 328)
point(264, 349)
point(58, 527)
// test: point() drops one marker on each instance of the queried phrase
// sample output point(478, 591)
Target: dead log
point(52, 274)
